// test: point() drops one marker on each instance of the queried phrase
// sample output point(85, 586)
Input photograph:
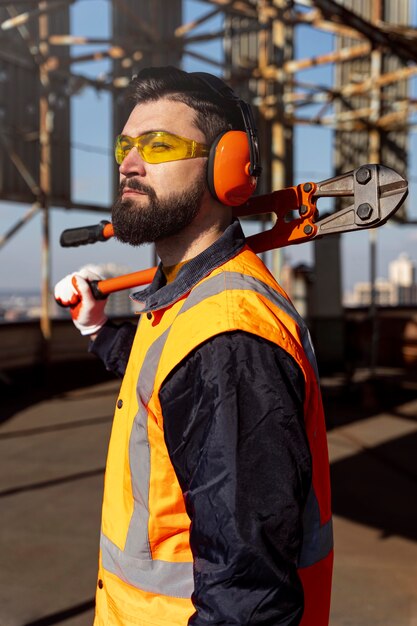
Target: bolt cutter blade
point(378, 192)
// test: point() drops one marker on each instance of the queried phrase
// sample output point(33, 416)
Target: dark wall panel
point(20, 90)
point(145, 32)
point(352, 146)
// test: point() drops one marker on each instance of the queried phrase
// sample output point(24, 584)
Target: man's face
point(158, 200)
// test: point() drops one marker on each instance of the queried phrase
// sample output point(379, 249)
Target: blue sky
point(92, 173)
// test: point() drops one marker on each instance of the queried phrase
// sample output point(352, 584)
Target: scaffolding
point(368, 106)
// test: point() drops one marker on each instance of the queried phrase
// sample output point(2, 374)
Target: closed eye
point(161, 146)
point(126, 144)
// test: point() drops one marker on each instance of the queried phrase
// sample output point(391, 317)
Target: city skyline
point(399, 288)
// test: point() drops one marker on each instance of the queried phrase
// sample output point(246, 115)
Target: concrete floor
point(53, 450)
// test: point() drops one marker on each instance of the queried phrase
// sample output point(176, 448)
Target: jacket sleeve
point(113, 345)
point(234, 428)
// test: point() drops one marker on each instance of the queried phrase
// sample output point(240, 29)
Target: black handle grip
point(83, 235)
point(99, 295)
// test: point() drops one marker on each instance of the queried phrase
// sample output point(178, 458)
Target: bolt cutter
point(377, 192)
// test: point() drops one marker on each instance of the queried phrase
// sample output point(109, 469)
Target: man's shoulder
point(243, 280)
point(249, 263)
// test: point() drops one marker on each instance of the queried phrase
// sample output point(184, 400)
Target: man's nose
point(132, 164)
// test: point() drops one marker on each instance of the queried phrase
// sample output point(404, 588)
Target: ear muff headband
point(249, 121)
point(234, 162)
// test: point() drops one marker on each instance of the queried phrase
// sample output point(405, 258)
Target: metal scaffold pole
point(45, 127)
point(282, 132)
point(374, 157)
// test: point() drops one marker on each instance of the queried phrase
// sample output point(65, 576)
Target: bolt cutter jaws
point(378, 191)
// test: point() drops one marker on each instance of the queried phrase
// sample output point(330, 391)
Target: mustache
point(137, 186)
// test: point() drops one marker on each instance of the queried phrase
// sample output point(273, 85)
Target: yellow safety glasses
point(159, 147)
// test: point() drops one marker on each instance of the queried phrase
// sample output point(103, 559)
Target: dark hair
point(214, 113)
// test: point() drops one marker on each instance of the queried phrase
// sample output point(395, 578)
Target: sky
point(92, 168)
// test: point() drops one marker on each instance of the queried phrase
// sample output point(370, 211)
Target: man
point(216, 504)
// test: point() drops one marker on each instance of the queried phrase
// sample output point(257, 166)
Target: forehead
point(174, 117)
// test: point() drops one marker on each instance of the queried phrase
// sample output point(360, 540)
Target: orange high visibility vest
point(145, 570)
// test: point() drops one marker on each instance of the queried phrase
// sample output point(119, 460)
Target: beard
point(161, 217)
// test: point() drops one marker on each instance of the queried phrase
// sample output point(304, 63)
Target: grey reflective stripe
point(236, 280)
point(317, 539)
point(161, 577)
point(137, 541)
point(140, 570)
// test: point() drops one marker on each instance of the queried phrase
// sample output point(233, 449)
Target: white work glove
point(74, 292)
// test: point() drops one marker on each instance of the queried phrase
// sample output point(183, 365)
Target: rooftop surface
point(53, 441)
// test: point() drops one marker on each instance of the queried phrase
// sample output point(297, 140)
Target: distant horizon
point(19, 291)
point(288, 259)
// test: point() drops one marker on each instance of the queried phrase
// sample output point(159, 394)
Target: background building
point(400, 289)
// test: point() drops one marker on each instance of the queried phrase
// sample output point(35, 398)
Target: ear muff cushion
point(210, 165)
point(228, 175)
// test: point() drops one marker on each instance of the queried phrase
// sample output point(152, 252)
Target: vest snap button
point(149, 315)
point(119, 404)
point(100, 584)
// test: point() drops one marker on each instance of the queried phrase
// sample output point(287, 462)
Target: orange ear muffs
point(228, 174)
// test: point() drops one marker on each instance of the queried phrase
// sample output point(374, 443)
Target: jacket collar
point(160, 295)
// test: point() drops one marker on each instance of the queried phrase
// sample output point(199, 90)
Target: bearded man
point(216, 504)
